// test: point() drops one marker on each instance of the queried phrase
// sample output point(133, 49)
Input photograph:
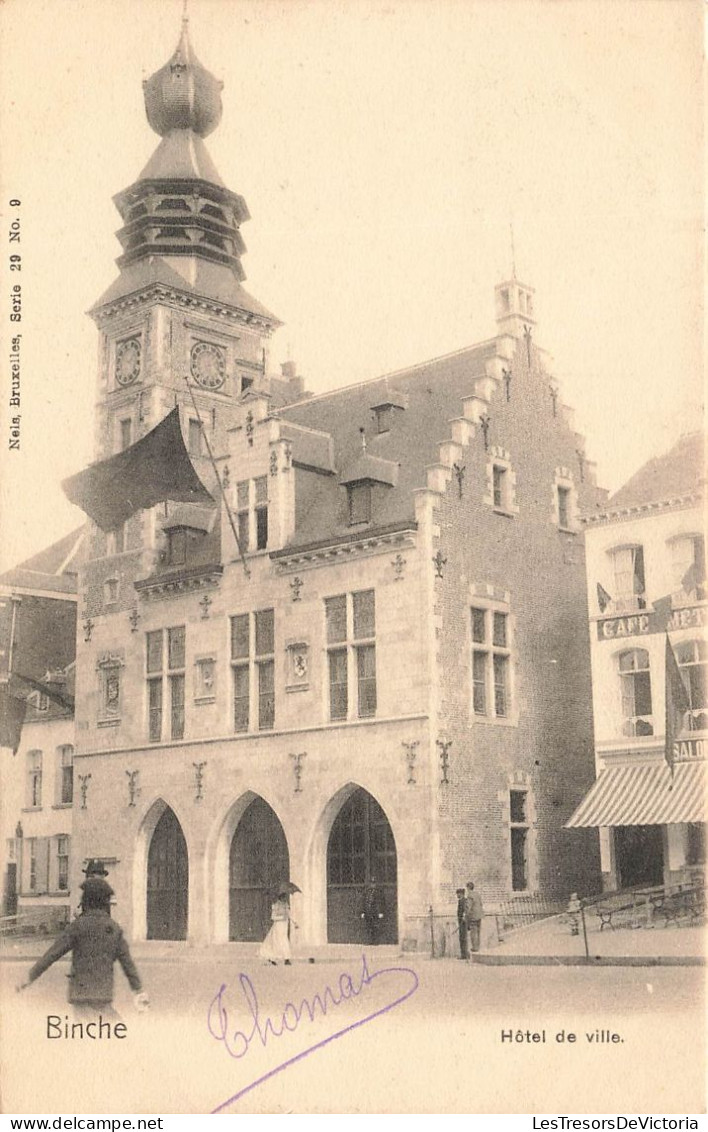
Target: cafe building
point(647, 597)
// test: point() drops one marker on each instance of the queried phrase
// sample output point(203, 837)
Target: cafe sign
point(689, 750)
point(657, 620)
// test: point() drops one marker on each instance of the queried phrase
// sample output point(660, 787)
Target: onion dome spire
point(183, 95)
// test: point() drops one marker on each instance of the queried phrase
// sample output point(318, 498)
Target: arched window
point(692, 657)
point(635, 685)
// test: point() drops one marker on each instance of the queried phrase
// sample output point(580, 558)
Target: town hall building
point(338, 639)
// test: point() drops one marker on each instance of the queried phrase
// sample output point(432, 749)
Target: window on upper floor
point(359, 502)
point(501, 482)
point(115, 540)
point(491, 660)
point(252, 513)
point(65, 775)
point(629, 585)
point(194, 437)
point(42, 701)
point(126, 432)
point(62, 851)
point(176, 546)
point(688, 567)
point(253, 667)
point(500, 486)
point(165, 668)
point(635, 688)
point(350, 622)
point(692, 658)
point(34, 779)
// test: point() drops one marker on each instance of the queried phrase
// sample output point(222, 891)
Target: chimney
point(296, 384)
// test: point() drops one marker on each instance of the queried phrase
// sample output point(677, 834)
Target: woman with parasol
point(276, 944)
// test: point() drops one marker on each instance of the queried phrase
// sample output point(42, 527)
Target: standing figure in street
point(462, 923)
point(276, 944)
point(474, 915)
point(374, 911)
point(95, 943)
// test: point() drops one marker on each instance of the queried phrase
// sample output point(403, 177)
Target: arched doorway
point(361, 874)
point(258, 862)
point(167, 880)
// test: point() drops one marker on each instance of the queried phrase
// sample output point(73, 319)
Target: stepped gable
point(679, 472)
point(433, 393)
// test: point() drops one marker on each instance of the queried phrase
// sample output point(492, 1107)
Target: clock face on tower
point(208, 365)
point(127, 361)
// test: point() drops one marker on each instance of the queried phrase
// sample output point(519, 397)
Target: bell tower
point(177, 308)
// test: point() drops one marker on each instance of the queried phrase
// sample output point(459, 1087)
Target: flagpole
point(246, 570)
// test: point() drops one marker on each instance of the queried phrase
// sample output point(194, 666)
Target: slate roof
point(679, 472)
point(53, 569)
point(210, 280)
point(433, 392)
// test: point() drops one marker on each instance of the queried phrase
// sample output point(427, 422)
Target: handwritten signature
point(237, 1042)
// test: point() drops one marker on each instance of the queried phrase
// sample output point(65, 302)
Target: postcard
point(353, 672)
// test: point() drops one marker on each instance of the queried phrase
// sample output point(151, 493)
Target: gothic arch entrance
point(362, 883)
point(167, 880)
point(258, 862)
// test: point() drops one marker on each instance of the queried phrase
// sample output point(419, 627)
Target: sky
point(384, 150)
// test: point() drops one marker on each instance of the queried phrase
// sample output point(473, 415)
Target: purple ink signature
point(238, 1042)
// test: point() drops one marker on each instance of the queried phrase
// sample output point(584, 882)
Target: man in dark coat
point(95, 943)
point(462, 923)
point(475, 912)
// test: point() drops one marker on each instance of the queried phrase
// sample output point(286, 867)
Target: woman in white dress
point(276, 944)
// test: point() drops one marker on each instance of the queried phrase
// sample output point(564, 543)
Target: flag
point(154, 469)
point(677, 703)
point(603, 598)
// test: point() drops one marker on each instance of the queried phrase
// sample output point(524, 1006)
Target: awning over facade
point(644, 795)
point(154, 469)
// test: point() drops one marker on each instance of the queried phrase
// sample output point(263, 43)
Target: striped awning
point(644, 795)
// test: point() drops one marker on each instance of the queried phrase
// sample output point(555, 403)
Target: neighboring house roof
point(432, 392)
point(54, 569)
point(676, 474)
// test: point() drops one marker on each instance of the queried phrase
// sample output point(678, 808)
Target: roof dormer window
point(359, 497)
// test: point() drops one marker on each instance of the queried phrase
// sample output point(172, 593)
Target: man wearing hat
point(474, 915)
point(95, 942)
point(462, 923)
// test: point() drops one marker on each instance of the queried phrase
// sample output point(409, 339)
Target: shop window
point(351, 654)
point(696, 843)
point(635, 685)
point(629, 588)
point(692, 658)
point(491, 658)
